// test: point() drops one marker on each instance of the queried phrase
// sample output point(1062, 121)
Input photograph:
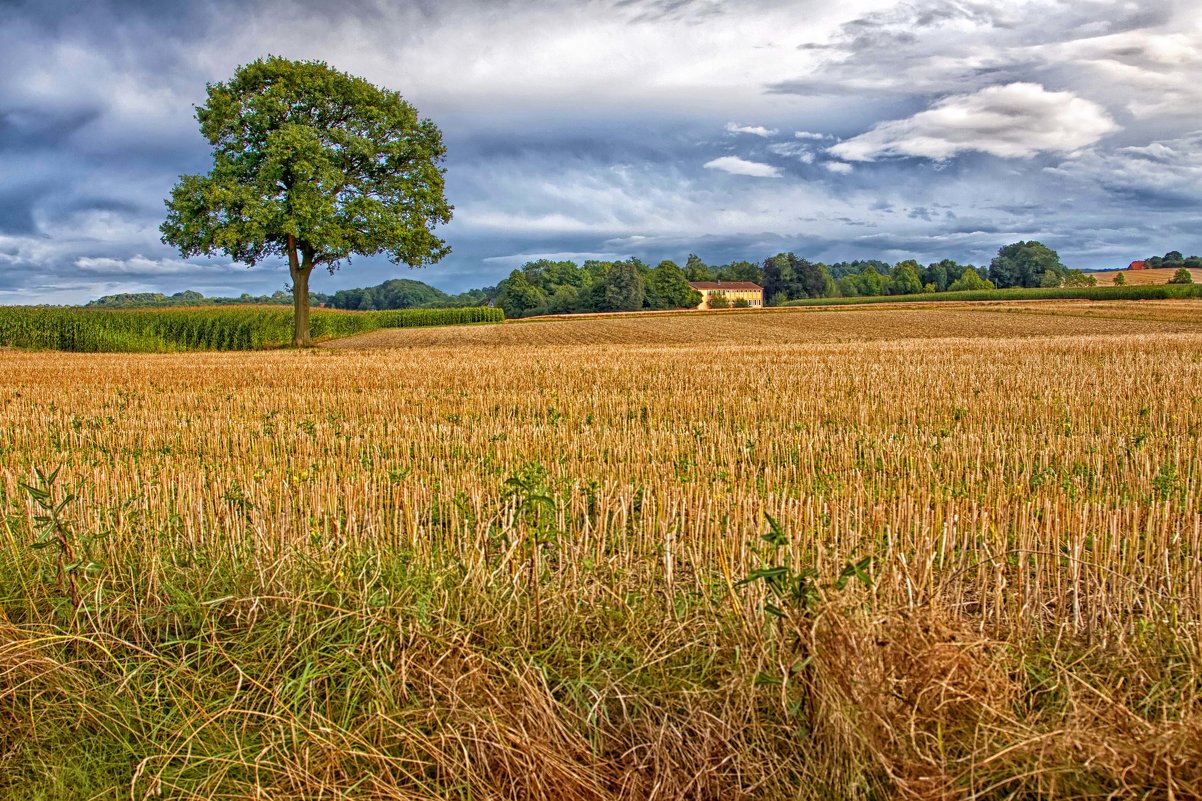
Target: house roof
point(724, 285)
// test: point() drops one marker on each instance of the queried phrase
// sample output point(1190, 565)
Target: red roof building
point(1138, 265)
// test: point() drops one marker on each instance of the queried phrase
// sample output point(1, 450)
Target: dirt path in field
point(813, 325)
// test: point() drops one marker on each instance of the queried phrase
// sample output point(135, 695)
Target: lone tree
point(1182, 276)
point(314, 165)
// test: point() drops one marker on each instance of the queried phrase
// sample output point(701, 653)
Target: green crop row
point(157, 330)
point(1138, 292)
point(415, 318)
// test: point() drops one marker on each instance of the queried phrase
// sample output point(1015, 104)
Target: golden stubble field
point(1156, 275)
point(989, 555)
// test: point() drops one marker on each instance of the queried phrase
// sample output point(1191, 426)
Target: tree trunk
point(299, 270)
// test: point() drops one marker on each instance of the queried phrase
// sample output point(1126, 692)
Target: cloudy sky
point(614, 128)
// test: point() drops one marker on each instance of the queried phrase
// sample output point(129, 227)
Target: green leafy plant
point(534, 506)
point(796, 588)
point(72, 560)
point(797, 597)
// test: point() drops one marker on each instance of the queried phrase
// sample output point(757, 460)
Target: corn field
point(164, 330)
point(890, 553)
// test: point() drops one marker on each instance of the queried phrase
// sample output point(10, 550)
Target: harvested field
point(706, 557)
point(1032, 319)
point(1156, 275)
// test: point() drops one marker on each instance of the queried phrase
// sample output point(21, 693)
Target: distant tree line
point(565, 287)
point(131, 300)
point(405, 293)
point(400, 293)
point(1173, 260)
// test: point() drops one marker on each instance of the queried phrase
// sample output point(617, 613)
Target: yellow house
point(733, 291)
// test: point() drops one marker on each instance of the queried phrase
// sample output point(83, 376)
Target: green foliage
point(867, 281)
point(157, 330)
point(697, 270)
point(563, 287)
point(667, 288)
point(1078, 278)
point(1025, 264)
point(1051, 279)
point(399, 293)
point(518, 297)
point(1173, 260)
point(72, 561)
point(1182, 276)
point(795, 588)
point(566, 300)
point(419, 318)
point(315, 165)
point(970, 281)
point(1120, 280)
point(189, 297)
point(787, 274)
point(623, 289)
point(905, 279)
point(741, 271)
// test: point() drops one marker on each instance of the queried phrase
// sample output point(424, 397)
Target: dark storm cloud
point(16, 211)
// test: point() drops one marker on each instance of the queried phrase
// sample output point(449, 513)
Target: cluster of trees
point(559, 287)
point(787, 277)
point(1173, 260)
point(563, 287)
point(405, 293)
point(189, 297)
point(399, 293)
point(1033, 264)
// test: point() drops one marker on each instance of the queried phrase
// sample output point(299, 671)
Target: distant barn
point(1138, 265)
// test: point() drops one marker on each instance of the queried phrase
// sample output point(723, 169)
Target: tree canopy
point(314, 165)
point(1026, 264)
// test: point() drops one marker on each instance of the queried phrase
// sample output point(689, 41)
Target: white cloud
point(755, 130)
point(809, 135)
point(1017, 120)
point(140, 265)
point(839, 167)
point(1171, 167)
point(737, 166)
point(516, 259)
point(801, 152)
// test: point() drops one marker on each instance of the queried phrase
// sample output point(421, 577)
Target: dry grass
point(813, 325)
point(1157, 275)
point(501, 565)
